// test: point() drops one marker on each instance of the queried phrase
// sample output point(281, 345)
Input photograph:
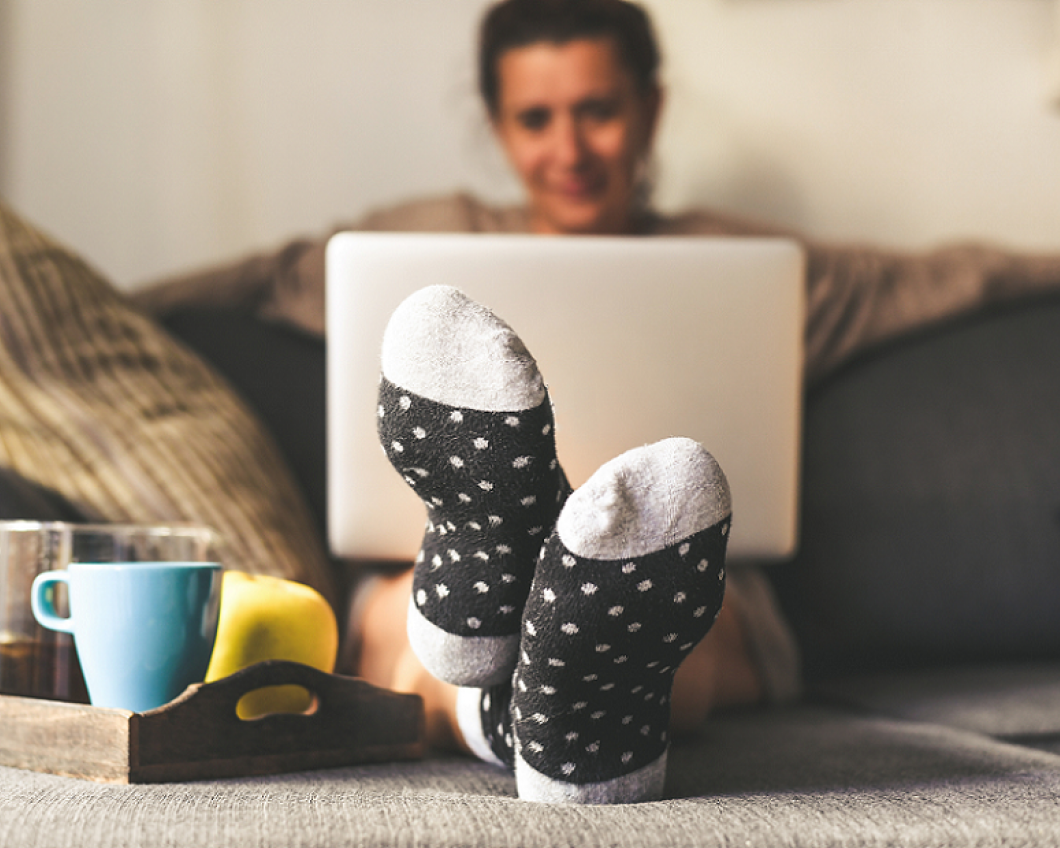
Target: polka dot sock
point(464, 416)
point(629, 582)
point(484, 717)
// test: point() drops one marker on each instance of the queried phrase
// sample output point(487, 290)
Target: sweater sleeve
point(287, 284)
point(859, 297)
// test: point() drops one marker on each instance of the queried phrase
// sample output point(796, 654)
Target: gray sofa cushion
point(1015, 701)
point(931, 523)
point(279, 372)
point(793, 777)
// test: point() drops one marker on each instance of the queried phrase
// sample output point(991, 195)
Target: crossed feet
point(545, 627)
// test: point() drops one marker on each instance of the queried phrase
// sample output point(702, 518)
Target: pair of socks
point(563, 615)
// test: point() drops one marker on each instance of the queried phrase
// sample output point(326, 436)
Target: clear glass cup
point(40, 663)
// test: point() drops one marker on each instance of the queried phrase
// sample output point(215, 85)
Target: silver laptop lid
point(638, 339)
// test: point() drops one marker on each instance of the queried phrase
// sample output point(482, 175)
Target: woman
point(572, 93)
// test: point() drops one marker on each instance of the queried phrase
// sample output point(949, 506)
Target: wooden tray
point(199, 735)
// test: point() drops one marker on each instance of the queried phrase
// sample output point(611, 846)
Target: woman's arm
point(859, 297)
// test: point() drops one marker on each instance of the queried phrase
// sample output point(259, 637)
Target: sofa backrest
point(931, 507)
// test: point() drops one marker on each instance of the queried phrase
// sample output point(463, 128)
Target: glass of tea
point(40, 663)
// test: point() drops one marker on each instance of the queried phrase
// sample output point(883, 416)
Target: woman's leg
point(386, 658)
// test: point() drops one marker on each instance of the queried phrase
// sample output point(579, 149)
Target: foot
point(464, 416)
point(629, 582)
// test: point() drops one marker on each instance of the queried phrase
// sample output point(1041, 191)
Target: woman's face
point(575, 128)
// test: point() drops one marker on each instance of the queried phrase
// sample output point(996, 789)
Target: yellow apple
point(269, 618)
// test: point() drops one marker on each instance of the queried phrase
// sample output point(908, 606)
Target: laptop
point(638, 339)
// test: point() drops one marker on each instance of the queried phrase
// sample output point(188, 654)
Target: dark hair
point(518, 23)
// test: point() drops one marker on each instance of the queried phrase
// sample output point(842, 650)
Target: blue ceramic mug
point(144, 631)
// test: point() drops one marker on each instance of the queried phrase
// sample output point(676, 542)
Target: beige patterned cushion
point(99, 404)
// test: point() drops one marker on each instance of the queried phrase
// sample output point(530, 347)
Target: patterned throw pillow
point(99, 404)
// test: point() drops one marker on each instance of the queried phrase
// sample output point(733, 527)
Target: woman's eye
point(599, 110)
point(533, 119)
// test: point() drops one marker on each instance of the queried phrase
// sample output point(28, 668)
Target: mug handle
point(43, 602)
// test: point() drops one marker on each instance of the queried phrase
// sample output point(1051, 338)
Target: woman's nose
point(570, 148)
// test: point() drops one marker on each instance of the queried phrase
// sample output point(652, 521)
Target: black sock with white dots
point(465, 418)
point(629, 582)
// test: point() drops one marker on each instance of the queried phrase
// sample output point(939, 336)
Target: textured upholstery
point(1015, 701)
point(795, 777)
point(931, 509)
point(103, 408)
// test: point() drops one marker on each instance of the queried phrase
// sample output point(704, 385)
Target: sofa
point(925, 598)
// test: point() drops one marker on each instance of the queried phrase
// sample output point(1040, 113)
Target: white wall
point(907, 121)
point(157, 135)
